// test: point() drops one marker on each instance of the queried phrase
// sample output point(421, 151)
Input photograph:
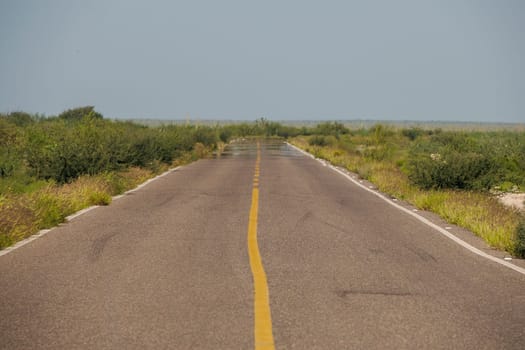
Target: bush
point(77, 114)
point(520, 239)
point(331, 128)
point(20, 118)
point(52, 167)
point(318, 140)
point(412, 133)
point(10, 156)
point(478, 161)
point(441, 162)
point(380, 133)
point(205, 135)
point(450, 170)
point(60, 150)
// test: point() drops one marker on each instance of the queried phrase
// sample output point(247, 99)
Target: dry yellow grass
point(21, 215)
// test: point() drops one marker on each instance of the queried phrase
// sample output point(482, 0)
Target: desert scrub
point(478, 212)
point(468, 160)
point(51, 167)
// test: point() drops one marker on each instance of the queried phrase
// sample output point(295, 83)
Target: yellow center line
point(263, 321)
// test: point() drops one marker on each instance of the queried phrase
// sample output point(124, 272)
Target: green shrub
point(450, 170)
point(20, 119)
point(52, 167)
point(10, 153)
point(318, 140)
point(225, 135)
point(205, 135)
point(478, 161)
point(56, 149)
point(520, 239)
point(79, 113)
point(412, 133)
point(440, 163)
point(380, 133)
point(379, 153)
point(288, 131)
point(330, 128)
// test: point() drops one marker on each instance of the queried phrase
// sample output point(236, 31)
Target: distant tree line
point(80, 141)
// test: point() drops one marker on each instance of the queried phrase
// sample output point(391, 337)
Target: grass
point(48, 204)
point(17, 219)
point(28, 205)
point(501, 227)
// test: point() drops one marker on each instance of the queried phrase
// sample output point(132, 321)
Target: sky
point(447, 60)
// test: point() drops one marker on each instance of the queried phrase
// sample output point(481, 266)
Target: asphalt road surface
point(170, 266)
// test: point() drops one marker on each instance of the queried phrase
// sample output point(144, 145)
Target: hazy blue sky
point(415, 60)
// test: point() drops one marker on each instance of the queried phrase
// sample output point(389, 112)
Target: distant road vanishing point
point(261, 248)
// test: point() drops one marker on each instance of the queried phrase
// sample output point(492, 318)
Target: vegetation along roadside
point(456, 174)
point(51, 167)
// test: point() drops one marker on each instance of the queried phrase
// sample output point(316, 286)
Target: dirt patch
point(515, 200)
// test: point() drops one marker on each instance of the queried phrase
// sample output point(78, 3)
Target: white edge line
point(43, 232)
point(419, 217)
point(80, 212)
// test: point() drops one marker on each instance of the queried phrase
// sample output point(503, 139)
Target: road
point(170, 266)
